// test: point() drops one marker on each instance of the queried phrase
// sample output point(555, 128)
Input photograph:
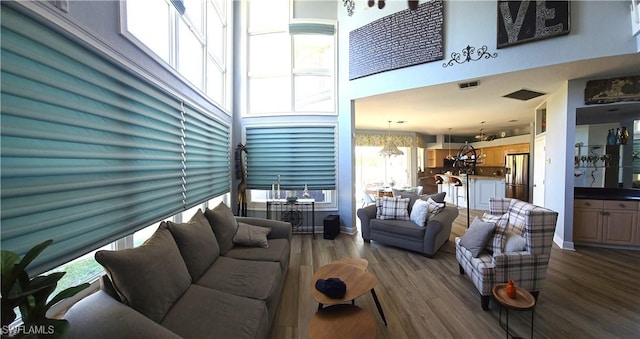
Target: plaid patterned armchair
point(529, 267)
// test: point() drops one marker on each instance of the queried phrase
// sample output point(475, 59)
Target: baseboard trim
point(565, 245)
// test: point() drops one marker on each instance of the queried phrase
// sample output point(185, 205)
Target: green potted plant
point(30, 296)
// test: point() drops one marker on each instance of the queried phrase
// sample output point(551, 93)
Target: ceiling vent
point(468, 85)
point(524, 95)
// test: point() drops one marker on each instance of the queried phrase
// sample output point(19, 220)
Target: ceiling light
point(390, 148)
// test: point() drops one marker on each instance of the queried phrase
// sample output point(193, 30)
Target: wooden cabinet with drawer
point(613, 222)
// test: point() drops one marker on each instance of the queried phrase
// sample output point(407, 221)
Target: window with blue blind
point(300, 155)
point(90, 152)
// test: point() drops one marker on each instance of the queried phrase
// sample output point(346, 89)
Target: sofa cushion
point(497, 239)
point(249, 235)
point(437, 197)
point(395, 208)
point(149, 278)
point(514, 243)
point(278, 251)
point(434, 208)
point(400, 227)
point(224, 225)
point(419, 212)
point(475, 238)
point(246, 278)
point(197, 243)
point(203, 312)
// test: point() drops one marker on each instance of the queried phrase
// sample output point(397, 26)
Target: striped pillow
point(392, 208)
point(497, 240)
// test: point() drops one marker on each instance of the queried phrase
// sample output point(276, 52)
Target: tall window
point(192, 37)
point(291, 63)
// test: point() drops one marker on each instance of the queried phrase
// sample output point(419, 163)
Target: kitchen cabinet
point(484, 190)
point(494, 157)
point(515, 148)
point(481, 190)
point(435, 157)
point(611, 222)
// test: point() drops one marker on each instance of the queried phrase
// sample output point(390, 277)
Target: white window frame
point(225, 67)
point(291, 73)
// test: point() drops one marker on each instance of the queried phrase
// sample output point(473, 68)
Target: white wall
point(598, 29)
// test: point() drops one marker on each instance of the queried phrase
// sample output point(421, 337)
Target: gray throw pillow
point(438, 197)
point(149, 278)
point(197, 243)
point(497, 239)
point(250, 235)
point(477, 236)
point(224, 225)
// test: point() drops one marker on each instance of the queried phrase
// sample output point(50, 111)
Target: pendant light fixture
point(390, 148)
point(481, 156)
point(449, 156)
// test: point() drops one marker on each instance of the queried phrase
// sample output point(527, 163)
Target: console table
point(301, 214)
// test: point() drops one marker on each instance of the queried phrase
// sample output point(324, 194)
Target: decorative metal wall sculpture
point(467, 52)
point(350, 5)
point(241, 173)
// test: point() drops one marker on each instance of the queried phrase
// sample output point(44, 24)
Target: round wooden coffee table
point(523, 301)
point(343, 321)
point(357, 280)
point(360, 263)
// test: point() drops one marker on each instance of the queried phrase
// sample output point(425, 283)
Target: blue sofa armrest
point(365, 214)
point(438, 229)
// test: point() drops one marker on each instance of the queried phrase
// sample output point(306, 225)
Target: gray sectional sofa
point(405, 233)
point(209, 277)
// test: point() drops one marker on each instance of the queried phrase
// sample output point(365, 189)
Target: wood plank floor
point(589, 293)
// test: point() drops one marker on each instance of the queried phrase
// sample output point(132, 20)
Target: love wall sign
point(525, 21)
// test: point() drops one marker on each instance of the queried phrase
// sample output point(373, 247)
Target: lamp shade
point(390, 149)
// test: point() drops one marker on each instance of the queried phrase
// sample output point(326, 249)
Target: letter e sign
point(525, 21)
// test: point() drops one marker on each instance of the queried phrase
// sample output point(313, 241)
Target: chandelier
point(390, 148)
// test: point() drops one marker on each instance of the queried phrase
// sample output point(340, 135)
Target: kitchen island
point(481, 189)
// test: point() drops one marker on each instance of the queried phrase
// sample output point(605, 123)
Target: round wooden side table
point(343, 321)
point(523, 301)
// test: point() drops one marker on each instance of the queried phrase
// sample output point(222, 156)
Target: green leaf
point(32, 254)
point(39, 283)
point(9, 277)
point(67, 293)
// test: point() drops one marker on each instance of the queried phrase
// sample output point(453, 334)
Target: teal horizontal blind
point(299, 154)
point(91, 153)
point(207, 171)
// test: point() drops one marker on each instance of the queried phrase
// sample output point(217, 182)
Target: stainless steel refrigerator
point(517, 176)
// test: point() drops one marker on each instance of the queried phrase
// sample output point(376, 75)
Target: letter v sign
point(513, 28)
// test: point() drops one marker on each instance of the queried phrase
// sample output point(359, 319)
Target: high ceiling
point(433, 110)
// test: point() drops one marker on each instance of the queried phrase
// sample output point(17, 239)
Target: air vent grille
point(468, 85)
point(524, 95)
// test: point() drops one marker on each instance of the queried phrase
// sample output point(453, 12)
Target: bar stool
point(457, 185)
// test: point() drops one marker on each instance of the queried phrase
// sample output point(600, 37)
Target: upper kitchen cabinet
point(435, 157)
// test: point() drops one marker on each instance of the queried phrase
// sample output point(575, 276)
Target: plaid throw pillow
point(434, 208)
point(394, 208)
point(497, 240)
